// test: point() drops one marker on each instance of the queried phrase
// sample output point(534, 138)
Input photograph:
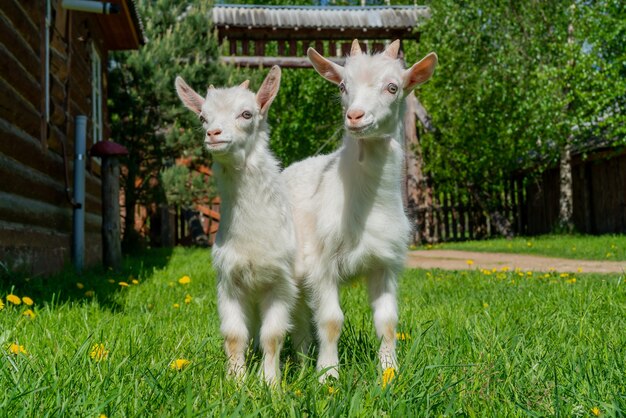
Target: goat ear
point(245, 84)
point(356, 48)
point(420, 72)
point(326, 68)
point(392, 50)
point(192, 100)
point(269, 89)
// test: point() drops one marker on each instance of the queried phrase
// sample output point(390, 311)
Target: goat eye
point(246, 114)
point(342, 87)
point(202, 119)
point(392, 88)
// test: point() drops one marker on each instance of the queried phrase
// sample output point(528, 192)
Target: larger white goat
point(254, 251)
point(347, 206)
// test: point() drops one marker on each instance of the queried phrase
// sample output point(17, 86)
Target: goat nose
point(214, 132)
point(355, 114)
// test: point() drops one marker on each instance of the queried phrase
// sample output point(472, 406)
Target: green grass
point(498, 344)
point(580, 247)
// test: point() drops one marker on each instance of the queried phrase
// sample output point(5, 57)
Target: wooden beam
point(326, 34)
point(266, 62)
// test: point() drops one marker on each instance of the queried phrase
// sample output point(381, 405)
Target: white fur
point(255, 246)
point(347, 206)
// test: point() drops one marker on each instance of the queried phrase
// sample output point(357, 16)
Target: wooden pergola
point(280, 35)
point(263, 36)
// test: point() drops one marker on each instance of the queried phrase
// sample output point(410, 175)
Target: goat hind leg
point(382, 285)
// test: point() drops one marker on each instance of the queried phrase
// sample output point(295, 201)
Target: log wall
point(35, 215)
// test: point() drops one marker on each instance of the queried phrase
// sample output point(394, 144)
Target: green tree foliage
point(509, 89)
point(146, 115)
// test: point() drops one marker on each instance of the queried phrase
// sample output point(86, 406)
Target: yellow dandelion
point(595, 411)
point(551, 269)
point(388, 375)
point(402, 336)
point(546, 275)
point(579, 269)
point(90, 293)
point(609, 255)
point(179, 364)
point(188, 299)
point(135, 281)
point(529, 244)
point(29, 313)
point(27, 301)
point(123, 284)
point(176, 306)
point(79, 285)
point(485, 305)
point(98, 352)
point(520, 274)
point(1, 305)
point(111, 281)
point(14, 299)
point(102, 415)
point(505, 268)
point(298, 392)
point(571, 281)
point(184, 280)
point(529, 273)
point(17, 349)
point(470, 262)
point(564, 275)
point(332, 390)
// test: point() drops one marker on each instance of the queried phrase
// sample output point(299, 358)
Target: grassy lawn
point(580, 247)
point(474, 344)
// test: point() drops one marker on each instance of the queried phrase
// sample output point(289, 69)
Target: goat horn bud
point(392, 49)
point(356, 48)
point(245, 84)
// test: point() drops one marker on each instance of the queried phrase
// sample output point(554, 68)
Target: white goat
point(254, 251)
point(347, 206)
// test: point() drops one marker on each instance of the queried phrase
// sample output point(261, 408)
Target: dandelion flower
point(176, 306)
point(388, 375)
point(571, 281)
point(298, 392)
point(609, 255)
point(80, 285)
point(90, 293)
point(529, 273)
point(332, 390)
point(529, 244)
point(505, 268)
point(102, 415)
point(564, 275)
point(485, 305)
point(111, 281)
point(123, 284)
point(1, 305)
point(27, 301)
point(14, 299)
point(98, 352)
point(579, 269)
point(135, 281)
point(188, 299)
point(184, 280)
point(179, 364)
point(470, 262)
point(402, 336)
point(17, 349)
point(595, 411)
point(29, 313)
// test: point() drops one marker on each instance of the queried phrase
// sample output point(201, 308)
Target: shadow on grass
point(69, 286)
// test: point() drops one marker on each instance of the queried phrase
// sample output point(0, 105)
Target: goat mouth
point(216, 143)
point(359, 129)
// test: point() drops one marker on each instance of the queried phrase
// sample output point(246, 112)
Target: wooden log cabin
point(53, 68)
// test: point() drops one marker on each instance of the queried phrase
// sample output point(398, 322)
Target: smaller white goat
point(347, 206)
point(254, 250)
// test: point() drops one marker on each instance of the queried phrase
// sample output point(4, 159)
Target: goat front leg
point(328, 320)
point(274, 326)
point(235, 331)
point(382, 285)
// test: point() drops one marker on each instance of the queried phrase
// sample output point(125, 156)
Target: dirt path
point(458, 260)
